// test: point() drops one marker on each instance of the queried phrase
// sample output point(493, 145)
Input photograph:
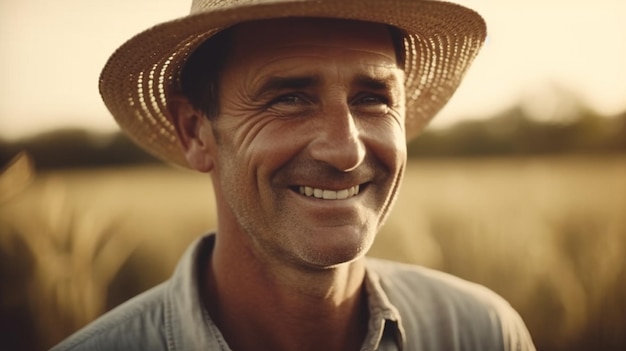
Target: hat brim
point(441, 41)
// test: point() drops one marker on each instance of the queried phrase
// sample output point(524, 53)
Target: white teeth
point(329, 194)
point(342, 194)
point(318, 193)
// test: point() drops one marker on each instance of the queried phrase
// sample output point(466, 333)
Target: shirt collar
point(189, 327)
point(385, 324)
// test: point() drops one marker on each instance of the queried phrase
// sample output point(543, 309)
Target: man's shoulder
point(446, 307)
point(413, 280)
point(137, 324)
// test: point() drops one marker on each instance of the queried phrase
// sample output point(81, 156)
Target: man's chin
point(333, 251)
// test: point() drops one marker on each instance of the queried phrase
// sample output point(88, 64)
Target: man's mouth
point(326, 194)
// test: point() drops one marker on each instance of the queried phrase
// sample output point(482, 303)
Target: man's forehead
point(390, 82)
point(304, 71)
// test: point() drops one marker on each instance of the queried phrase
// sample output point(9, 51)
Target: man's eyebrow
point(375, 83)
point(274, 84)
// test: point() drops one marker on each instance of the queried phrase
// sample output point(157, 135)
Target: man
point(300, 112)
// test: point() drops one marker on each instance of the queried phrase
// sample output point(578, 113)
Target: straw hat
point(441, 41)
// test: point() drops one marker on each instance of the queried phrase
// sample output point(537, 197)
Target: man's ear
point(194, 134)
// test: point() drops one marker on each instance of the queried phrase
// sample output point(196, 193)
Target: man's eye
point(372, 100)
point(291, 104)
point(289, 99)
point(371, 104)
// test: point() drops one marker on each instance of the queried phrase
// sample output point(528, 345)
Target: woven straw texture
point(442, 41)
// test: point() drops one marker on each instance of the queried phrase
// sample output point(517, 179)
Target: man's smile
point(327, 194)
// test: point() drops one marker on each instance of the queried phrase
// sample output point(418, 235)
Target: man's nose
point(338, 141)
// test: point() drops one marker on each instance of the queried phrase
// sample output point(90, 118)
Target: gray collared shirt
point(411, 308)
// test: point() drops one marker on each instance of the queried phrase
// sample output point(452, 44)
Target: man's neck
point(282, 307)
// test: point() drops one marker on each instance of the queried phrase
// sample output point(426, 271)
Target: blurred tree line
point(515, 133)
point(512, 132)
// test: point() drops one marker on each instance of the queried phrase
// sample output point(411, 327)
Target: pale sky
point(52, 53)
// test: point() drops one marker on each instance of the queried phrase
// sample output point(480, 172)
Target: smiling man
point(299, 111)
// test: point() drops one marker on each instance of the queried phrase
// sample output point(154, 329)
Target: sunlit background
point(530, 200)
point(53, 51)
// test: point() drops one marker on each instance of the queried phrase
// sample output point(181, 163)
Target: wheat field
point(548, 234)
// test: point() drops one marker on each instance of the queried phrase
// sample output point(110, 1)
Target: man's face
point(310, 138)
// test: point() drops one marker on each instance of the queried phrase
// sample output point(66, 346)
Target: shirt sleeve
point(515, 335)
